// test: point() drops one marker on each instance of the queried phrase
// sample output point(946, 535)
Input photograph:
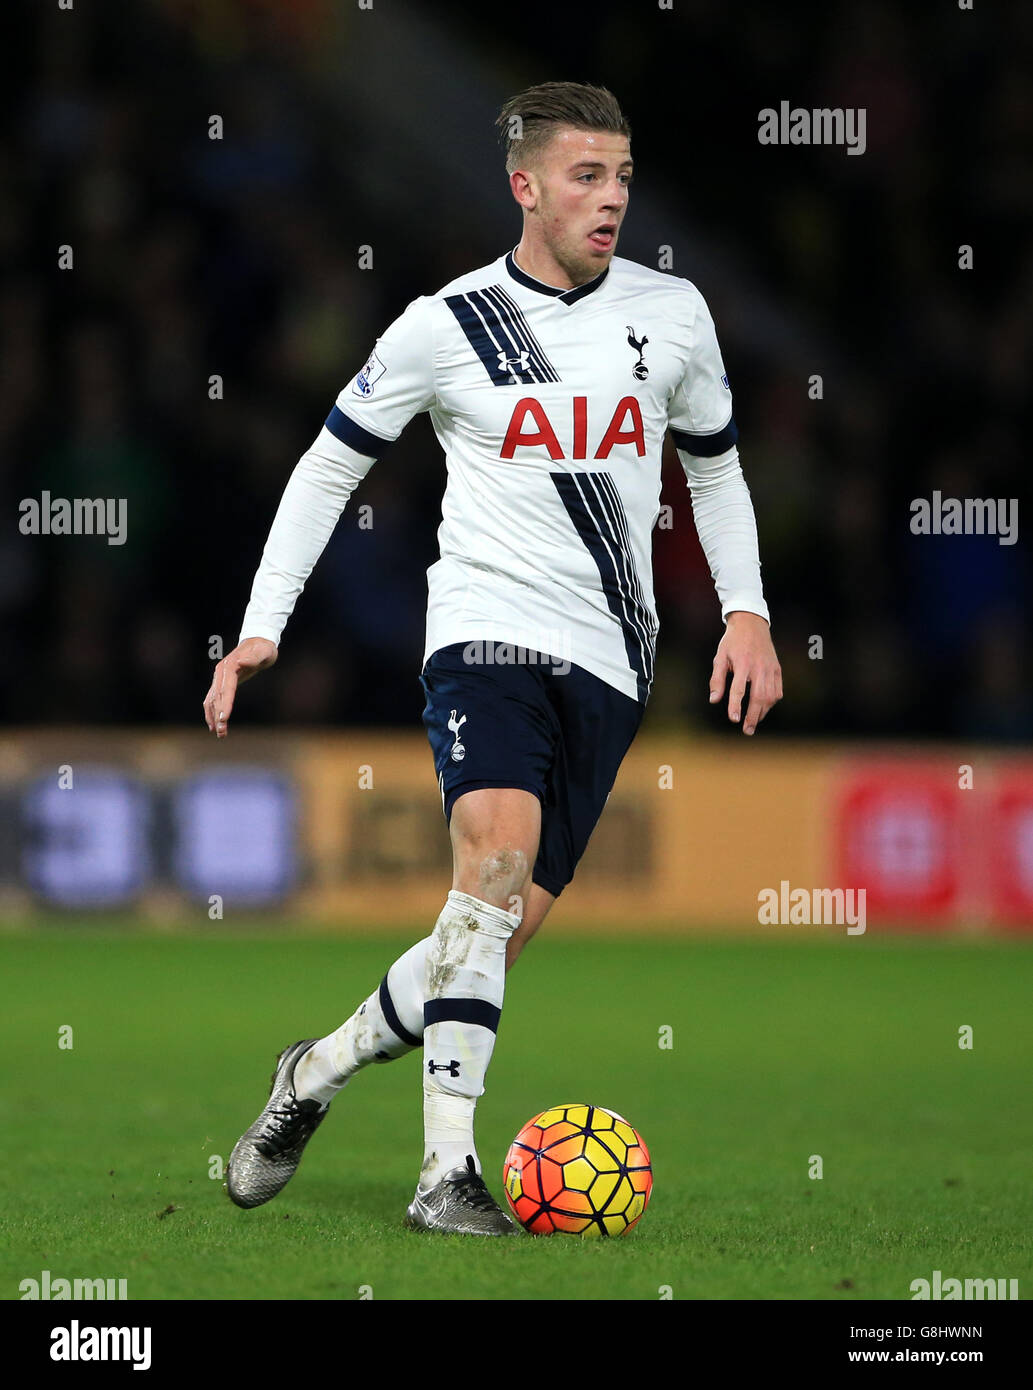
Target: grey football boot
point(266, 1156)
point(460, 1204)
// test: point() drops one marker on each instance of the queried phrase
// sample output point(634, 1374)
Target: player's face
point(582, 187)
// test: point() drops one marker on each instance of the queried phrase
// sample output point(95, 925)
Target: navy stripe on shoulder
point(344, 428)
point(706, 446)
point(496, 334)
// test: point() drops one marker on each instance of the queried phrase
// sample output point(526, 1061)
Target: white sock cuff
point(493, 921)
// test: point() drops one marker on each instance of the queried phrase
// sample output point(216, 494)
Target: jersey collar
point(570, 296)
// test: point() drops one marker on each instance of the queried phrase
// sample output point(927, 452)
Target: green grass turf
point(841, 1047)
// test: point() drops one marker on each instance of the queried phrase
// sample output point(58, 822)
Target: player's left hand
point(747, 653)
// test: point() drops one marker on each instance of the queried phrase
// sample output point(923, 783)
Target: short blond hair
point(528, 121)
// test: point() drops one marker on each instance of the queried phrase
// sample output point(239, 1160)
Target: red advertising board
point(935, 843)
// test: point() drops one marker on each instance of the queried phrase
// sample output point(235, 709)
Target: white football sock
point(466, 976)
point(387, 1025)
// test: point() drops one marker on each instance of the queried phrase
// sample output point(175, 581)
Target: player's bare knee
point(501, 872)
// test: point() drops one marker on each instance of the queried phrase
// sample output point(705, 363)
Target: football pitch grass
point(844, 1048)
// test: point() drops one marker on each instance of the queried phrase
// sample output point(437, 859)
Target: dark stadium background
point(347, 128)
point(174, 910)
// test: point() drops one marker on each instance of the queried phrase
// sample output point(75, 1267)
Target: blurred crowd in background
point(239, 258)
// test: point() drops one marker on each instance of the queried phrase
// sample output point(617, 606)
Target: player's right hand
point(249, 657)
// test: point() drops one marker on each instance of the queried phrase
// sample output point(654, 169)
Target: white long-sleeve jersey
point(551, 407)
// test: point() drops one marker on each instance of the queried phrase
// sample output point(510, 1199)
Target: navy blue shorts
point(548, 728)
